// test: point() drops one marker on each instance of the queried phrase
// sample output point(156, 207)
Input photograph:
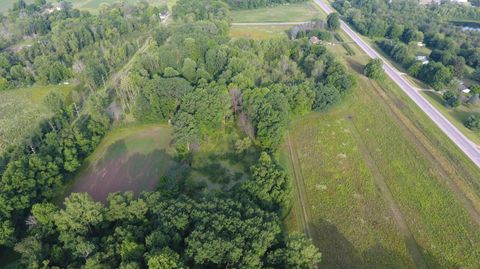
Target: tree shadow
point(356, 66)
point(338, 252)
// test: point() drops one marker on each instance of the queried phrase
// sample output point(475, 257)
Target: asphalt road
point(467, 146)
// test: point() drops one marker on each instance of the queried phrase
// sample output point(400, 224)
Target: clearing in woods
point(283, 13)
point(383, 187)
point(128, 159)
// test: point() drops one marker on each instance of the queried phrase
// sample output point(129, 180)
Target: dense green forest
point(189, 74)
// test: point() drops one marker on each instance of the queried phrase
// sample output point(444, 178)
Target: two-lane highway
point(467, 146)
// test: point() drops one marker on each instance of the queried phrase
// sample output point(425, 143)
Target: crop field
point(21, 110)
point(258, 32)
point(284, 13)
point(382, 186)
point(130, 158)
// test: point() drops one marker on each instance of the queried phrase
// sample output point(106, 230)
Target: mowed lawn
point(283, 13)
point(379, 135)
point(128, 159)
point(22, 109)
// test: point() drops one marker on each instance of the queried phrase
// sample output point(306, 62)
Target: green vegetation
point(473, 122)
point(22, 110)
point(457, 115)
point(229, 103)
point(258, 32)
point(88, 5)
point(407, 26)
point(246, 4)
point(374, 69)
point(195, 172)
point(283, 13)
point(130, 158)
point(333, 21)
point(359, 134)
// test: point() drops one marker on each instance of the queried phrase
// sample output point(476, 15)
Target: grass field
point(130, 158)
point(258, 32)
point(21, 110)
point(284, 13)
point(382, 184)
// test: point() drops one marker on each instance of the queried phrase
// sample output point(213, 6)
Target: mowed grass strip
point(128, 159)
point(21, 110)
point(282, 13)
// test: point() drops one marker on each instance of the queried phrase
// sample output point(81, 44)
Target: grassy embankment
point(379, 135)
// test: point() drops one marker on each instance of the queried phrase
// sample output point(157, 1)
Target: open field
point(21, 110)
point(258, 32)
point(382, 184)
point(130, 158)
point(284, 13)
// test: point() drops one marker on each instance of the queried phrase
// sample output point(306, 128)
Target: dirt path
point(300, 190)
point(299, 187)
point(447, 172)
point(410, 242)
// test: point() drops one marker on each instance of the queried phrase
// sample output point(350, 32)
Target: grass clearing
point(283, 13)
point(136, 157)
point(433, 184)
point(22, 109)
point(258, 32)
point(128, 158)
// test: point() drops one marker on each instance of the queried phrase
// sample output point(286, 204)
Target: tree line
point(37, 169)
